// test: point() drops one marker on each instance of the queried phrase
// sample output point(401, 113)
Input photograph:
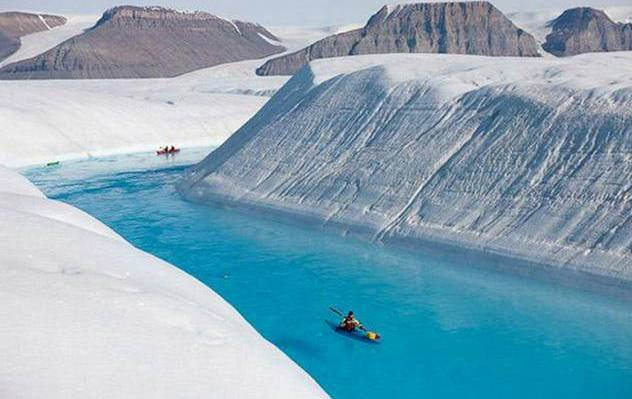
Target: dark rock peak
point(584, 30)
point(579, 18)
point(476, 28)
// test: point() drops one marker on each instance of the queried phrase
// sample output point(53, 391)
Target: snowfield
point(530, 158)
point(56, 120)
point(53, 120)
point(85, 314)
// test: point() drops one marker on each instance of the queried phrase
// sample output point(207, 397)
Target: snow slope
point(37, 43)
point(56, 120)
point(530, 158)
point(85, 314)
point(14, 183)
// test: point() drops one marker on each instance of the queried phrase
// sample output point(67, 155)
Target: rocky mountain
point(528, 158)
point(14, 25)
point(476, 28)
point(146, 42)
point(586, 30)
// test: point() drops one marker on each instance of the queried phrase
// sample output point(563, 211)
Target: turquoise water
point(449, 331)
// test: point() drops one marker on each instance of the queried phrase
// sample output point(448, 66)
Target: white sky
point(279, 12)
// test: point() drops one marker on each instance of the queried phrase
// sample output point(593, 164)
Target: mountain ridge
point(147, 42)
point(15, 24)
point(476, 28)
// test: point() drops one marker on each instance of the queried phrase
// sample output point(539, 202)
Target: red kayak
point(163, 152)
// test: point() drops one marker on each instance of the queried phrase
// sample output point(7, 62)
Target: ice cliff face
point(530, 158)
point(14, 25)
point(586, 30)
point(144, 42)
point(455, 28)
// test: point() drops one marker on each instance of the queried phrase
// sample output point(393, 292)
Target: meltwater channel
point(449, 331)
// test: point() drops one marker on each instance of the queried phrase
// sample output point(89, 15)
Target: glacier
point(85, 314)
point(54, 120)
point(525, 158)
point(57, 120)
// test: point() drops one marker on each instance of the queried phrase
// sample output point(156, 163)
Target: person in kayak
point(350, 323)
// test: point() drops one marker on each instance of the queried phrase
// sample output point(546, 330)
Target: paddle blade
point(336, 311)
point(373, 336)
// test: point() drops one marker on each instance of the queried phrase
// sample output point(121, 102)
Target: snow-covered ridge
point(528, 158)
point(85, 314)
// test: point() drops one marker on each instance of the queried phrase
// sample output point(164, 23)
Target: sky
point(278, 12)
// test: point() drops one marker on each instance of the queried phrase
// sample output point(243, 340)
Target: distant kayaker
point(172, 149)
point(350, 323)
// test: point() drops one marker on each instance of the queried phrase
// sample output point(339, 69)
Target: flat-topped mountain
point(586, 30)
point(476, 28)
point(146, 42)
point(14, 25)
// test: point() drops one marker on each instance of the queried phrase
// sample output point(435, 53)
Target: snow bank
point(529, 158)
point(85, 314)
point(14, 183)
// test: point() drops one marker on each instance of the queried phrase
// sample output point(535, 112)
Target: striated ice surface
point(530, 158)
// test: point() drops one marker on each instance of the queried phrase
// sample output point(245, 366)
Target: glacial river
point(449, 330)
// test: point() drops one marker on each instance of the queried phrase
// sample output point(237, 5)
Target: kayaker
point(350, 323)
point(172, 149)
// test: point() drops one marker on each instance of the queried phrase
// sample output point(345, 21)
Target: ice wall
point(530, 158)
